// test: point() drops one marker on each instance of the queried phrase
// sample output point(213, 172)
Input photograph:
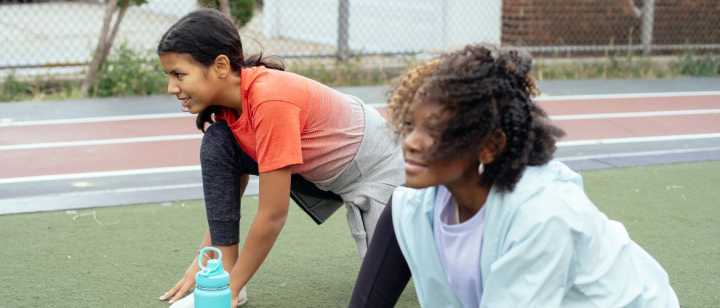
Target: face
point(189, 81)
point(419, 139)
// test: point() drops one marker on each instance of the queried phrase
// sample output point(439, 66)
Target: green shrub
point(128, 72)
point(690, 64)
point(13, 89)
point(241, 10)
point(611, 67)
point(349, 73)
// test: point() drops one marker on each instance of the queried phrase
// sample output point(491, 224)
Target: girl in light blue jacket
point(488, 218)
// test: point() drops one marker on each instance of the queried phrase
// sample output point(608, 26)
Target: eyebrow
point(434, 119)
point(435, 122)
point(174, 71)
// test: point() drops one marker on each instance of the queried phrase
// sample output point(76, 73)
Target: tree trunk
point(107, 37)
point(114, 30)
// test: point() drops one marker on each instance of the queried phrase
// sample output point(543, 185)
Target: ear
point(221, 66)
point(494, 146)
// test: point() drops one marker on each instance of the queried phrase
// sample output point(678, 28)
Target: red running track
point(55, 149)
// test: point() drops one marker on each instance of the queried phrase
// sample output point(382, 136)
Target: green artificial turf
point(673, 212)
point(128, 256)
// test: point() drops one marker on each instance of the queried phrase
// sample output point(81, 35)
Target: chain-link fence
point(63, 34)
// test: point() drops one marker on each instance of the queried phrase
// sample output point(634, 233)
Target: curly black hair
point(483, 90)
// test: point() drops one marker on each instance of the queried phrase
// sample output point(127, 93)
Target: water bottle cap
point(211, 275)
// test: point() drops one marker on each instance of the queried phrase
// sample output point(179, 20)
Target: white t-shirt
point(459, 246)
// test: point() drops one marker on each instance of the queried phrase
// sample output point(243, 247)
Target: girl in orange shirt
point(295, 133)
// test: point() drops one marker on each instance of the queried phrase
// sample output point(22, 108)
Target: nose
point(414, 142)
point(172, 88)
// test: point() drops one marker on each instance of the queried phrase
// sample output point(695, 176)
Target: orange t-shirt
point(290, 120)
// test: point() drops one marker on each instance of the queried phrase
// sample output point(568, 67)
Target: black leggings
point(384, 272)
point(223, 164)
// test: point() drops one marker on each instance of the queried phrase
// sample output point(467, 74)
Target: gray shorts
point(367, 182)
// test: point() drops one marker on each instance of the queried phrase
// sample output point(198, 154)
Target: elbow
point(274, 222)
point(277, 223)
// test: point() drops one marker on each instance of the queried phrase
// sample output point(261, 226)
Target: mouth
point(414, 166)
point(185, 103)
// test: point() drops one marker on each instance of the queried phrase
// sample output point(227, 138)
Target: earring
point(481, 168)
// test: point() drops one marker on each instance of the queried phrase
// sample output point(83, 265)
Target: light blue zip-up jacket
point(544, 245)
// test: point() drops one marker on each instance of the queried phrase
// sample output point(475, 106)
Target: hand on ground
point(183, 286)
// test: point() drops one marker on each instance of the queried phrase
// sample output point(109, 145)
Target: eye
point(407, 126)
point(179, 76)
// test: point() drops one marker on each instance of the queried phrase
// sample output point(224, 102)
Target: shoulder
point(403, 194)
point(551, 193)
point(261, 84)
point(409, 201)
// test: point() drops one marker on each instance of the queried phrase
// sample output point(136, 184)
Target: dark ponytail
point(205, 34)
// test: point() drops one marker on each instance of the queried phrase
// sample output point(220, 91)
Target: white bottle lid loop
point(213, 265)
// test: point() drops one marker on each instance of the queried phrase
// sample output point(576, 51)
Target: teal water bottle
point(212, 282)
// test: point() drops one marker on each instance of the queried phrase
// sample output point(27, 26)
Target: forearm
point(260, 239)
point(269, 221)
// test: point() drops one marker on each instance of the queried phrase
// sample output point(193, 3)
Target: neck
point(231, 95)
point(469, 195)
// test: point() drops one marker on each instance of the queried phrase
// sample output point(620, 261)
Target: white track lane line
point(79, 143)
point(637, 139)
point(86, 175)
point(597, 116)
point(590, 97)
point(638, 154)
point(9, 122)
point(99, 174)
point(254, 182)
point(645, 114)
